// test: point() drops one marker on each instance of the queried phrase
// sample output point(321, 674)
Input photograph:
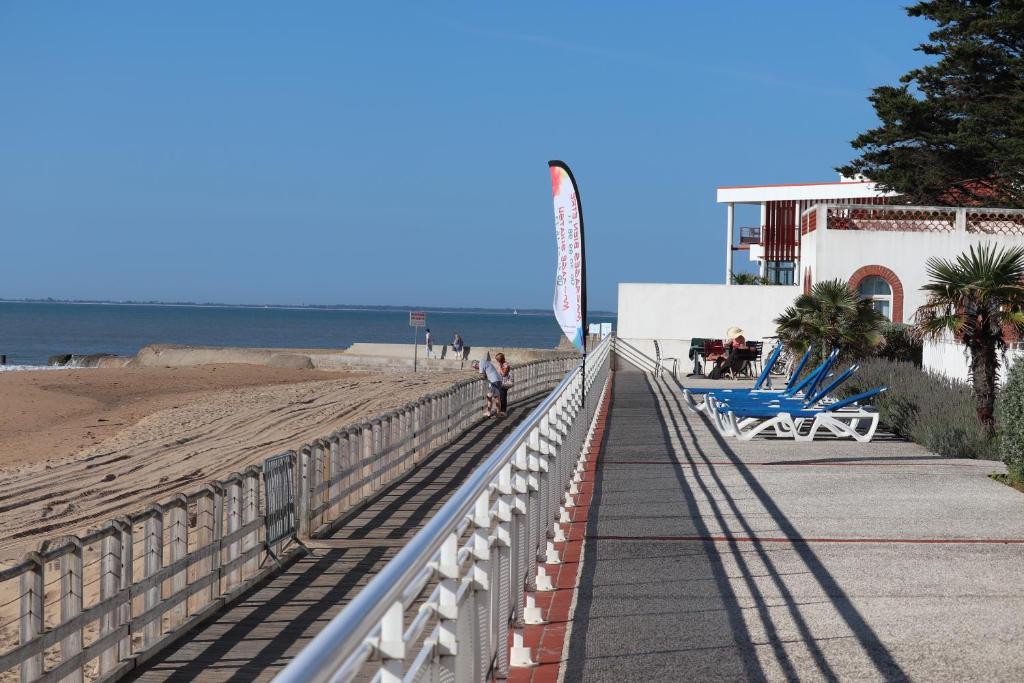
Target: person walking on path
point(429, 342)
point(457, 345)
point(492, 394)
point(505, 370)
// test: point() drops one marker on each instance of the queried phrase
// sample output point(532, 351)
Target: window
point(780, 272)
point(878, 292)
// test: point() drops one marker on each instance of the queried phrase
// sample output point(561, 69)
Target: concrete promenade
point(257, 636)
point(709, 559)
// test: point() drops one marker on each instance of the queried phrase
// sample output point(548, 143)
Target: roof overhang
point(755, 194)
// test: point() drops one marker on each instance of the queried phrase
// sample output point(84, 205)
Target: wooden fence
point(93, 607)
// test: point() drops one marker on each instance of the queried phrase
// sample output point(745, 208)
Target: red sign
point(417, 319)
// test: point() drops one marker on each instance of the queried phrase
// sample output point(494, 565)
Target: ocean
point(32, 332)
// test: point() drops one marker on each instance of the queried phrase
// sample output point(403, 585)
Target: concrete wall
point(673, 314)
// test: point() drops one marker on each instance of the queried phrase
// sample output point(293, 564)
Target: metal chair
point(660, 362)
point(752, 356)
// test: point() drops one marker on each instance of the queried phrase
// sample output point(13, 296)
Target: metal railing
point(98, 604)
point(443, 608)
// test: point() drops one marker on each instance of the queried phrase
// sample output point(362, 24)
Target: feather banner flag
point(570, 302)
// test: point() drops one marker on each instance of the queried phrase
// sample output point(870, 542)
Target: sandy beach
point(78, 447)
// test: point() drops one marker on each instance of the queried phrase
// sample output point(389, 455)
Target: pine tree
point(953, 131)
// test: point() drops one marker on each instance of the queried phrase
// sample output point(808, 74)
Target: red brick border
point(547, 642)
point(888, 276)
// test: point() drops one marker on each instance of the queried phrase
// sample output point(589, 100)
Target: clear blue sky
point(387, 153)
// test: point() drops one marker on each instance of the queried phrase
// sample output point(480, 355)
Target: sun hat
point(733, 332)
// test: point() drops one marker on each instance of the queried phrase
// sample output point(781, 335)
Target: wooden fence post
point(234, 507)
point(366, 452)
point(71, 603)
point(111, 563)
point(177, 523)
point(204, 539)
point(31, 622)
point(346, 462)
point(250, 513)
point(302, 476)
point(153, 553)
point(334, 477)
point(124, 612)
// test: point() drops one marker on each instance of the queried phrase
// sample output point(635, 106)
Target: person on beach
point(492, 394)
point(457, 345)
point(505, 370)
point(429, 341)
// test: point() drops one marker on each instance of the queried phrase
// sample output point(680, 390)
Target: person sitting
point(732, 357)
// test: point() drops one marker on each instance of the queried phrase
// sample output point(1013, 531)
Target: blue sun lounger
point(793, 387)
point(843, 418)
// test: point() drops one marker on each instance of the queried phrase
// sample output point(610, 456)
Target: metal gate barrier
point(280, 497)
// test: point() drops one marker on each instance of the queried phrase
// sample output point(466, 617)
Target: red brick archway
point(888, 276)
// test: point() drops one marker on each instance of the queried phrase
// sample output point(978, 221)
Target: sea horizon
point(326, 307)
point(32, 331)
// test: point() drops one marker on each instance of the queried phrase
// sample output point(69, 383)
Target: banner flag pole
point(570, 302)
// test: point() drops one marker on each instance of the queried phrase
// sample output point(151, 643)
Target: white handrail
point(503, 516)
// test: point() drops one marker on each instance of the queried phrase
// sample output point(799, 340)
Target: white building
point(809, 233)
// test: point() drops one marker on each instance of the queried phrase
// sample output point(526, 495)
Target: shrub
point(929, 409)
point(900, 344)
point(1011, 422)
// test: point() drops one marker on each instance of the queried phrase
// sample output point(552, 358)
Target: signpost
point(417, 319)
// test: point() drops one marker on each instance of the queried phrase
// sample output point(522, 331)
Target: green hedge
point(900, 344)
point(929, 409)
point(1011, 422)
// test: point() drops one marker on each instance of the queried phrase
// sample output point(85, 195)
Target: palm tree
point(831, 316)
point(977, 298)
point(748, 279)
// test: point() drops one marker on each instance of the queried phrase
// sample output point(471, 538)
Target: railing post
point(177, 519)
point(448, 609)
point(30, 625)
point(124, 525)
point(406, 438)
point(417, 431)
point(347, 447)
point(302, 502)
point(315, 479)
point(71, 603)
point(111, 583)
point(334, 477)
point(234, 510)
point(153, 559)
point(204, 539)
point(391, 646)
point(366, 458)
point(377, 445)
point(482, 602)
point(523, 556)
point(503, 561)
point(250, 513)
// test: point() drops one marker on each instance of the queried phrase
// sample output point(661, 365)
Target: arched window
point(878, 291)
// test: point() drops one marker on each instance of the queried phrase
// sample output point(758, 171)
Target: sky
point(396, 153)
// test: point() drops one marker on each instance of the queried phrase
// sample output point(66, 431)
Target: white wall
point(950, 359)
point(839, 253)
point(673, 314)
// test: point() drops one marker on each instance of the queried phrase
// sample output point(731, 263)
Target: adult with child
point(505, 370)
point(492, 394)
